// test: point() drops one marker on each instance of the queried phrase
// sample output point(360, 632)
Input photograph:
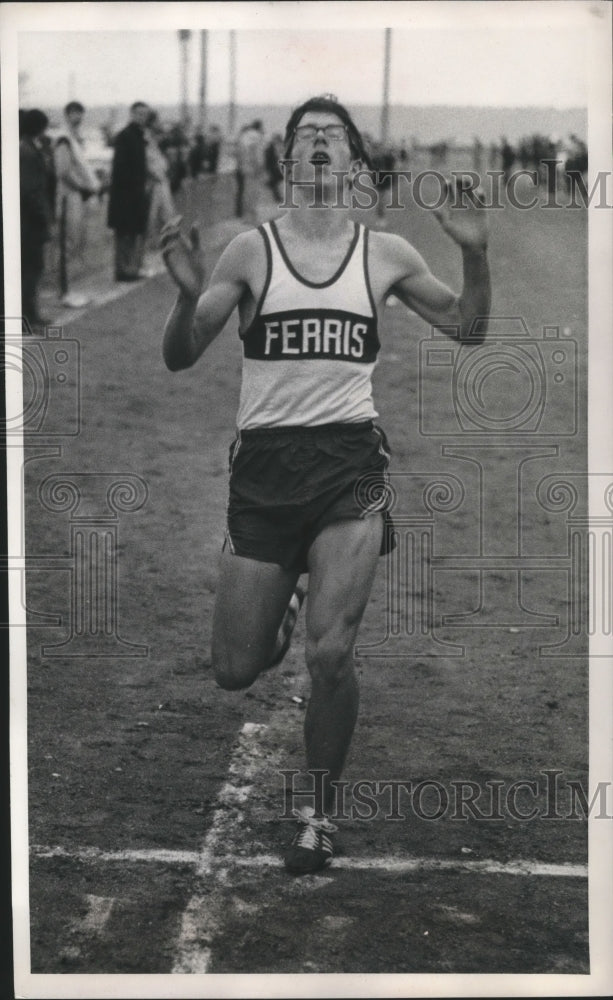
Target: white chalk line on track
point(92, 925)
point(203, 917)
point(394, 864)
point(99, 909)
point(229, 846)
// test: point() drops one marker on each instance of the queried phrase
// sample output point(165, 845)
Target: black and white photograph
point(338, 273)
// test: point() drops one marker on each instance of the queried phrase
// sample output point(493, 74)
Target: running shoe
point(284, 637)
point(312, 847)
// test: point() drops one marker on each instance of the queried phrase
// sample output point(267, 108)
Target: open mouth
point(319, 159)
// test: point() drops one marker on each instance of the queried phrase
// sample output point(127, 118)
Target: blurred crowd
point(552, 160)
point(536, 153)
point(138, 182)
point(148, 162)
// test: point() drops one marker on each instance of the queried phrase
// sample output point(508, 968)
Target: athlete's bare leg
point(342, 563)
point(252, 598)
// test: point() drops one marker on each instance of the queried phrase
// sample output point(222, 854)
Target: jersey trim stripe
point(367, 273)
point(267, 280)
point(298, 276)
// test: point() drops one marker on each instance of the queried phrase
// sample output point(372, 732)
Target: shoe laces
point(313, 825)
point(307, 838)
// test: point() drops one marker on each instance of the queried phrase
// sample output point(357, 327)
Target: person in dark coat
point(272, 155)
point(212, 149)
point(128, 199)
point(197, 156)
point(35, 214)
point(507, 156)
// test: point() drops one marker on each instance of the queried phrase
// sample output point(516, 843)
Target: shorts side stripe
point(227, 536)
point(236, 450)
point(382, 451)
point(228, 541)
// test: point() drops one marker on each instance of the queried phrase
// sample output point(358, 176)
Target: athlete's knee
point(232, 673)
point(231, 682)
point(329, 657)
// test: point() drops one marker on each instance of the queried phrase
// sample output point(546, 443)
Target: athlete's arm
point(434, 301)
point(196, 319)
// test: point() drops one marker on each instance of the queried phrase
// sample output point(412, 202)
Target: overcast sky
point(467, 54)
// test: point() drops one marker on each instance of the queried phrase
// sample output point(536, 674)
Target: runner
point(308, 466)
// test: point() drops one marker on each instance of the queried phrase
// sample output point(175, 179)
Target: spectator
point(239, 175)
point(213, 149)
point(196, 157)
point(575, 165)
point(250, 154)
point(161, 205)
point(128, 203)
point(76, 182)
point(35, 216)
point(508, 157)
point(273, 154)
point(203, 156)
point(46, 148)
point(176, 149)
point(439, 152)
point(524, 154)
point(477, 155)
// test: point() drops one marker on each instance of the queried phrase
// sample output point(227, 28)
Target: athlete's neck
point(323, 224)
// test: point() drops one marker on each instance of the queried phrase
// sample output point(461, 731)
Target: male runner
point(308, 289)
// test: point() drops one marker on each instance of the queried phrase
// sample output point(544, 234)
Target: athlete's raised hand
point(183, 257)
point(463, 216)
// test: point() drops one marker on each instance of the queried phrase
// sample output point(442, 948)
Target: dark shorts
point(288, 483)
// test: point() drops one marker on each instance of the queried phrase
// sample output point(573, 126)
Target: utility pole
point(184, 37)
point(202, 122)
point(385, 109)
point(232, 101)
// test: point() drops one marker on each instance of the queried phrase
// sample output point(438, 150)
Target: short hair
point(331, 106)
point(34, 122)
point(138, 104)
point(74, 106)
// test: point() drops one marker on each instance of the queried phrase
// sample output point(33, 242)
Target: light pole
point(203, 80)
point(232, 101)
point(184, 37)
point(385, 108)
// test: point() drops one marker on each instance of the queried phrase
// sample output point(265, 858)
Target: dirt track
point(129, 753)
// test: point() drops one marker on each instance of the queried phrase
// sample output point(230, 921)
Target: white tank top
point(310, 351)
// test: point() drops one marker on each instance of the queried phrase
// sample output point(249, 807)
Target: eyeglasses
point(334, 132)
